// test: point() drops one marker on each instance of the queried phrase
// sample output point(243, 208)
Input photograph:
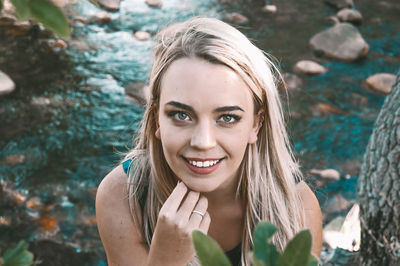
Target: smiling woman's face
point(206, 119)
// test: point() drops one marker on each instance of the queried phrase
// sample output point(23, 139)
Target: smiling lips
point(202, 166)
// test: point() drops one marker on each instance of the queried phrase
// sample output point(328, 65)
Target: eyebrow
point(218, 110)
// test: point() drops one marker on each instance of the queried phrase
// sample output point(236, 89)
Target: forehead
point(196, 82)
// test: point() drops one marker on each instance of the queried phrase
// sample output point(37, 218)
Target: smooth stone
point(236, 18)
point(138, 91)
point(349, 15)
point(322, 108)
point(7, 19)
point(7, 85)
point(292, 82)
point(154, 3)
point(110, 5)
point(342, 41)
point(18, 29)
point(381, 82)
point(80, 46)
point(327, 174)
point(340, 3)
point(142, 35)
point(337, 204)
point(82, 20)
point(270, 9)
point(358, 99)
point(101, 18)
point(309, 67)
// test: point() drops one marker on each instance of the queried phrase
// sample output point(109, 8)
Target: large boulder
point(342, 42)
point(6, 84)
point(381, 82)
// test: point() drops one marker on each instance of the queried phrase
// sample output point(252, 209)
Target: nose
point(203, 137)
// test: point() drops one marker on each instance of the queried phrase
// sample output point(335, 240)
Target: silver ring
point(198, 212)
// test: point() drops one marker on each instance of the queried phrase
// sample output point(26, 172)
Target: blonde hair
point(268, 172)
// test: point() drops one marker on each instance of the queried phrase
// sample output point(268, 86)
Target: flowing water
point(70, 116)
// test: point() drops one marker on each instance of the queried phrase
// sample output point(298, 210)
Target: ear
point(157, 133)
point(258, 123)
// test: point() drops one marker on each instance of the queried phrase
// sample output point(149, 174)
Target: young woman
point(212, 154)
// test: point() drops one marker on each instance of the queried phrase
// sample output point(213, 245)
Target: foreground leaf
point(312, 261)
point(263, 250)
point(208, 251)
point(18, 256)
point(50, 16)
point(1, 5)
point(297, 251)
point(21, 8)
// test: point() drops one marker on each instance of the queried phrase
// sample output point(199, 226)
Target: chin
point(202, 186)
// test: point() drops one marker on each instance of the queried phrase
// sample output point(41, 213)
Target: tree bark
point(379, 187)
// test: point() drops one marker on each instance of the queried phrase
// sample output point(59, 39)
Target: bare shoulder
point(313, 216)
point(119, 234)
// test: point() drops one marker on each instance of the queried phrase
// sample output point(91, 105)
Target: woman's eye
point(179, 116)
point(229, 119)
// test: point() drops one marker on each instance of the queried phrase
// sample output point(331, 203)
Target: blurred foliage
point(297, 252)
point(18, 256)
point(43, 11)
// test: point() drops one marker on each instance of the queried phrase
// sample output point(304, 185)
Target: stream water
point(70, 115)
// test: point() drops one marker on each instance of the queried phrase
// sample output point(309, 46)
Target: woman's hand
point(172, 239)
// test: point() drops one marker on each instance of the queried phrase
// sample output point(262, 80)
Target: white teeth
point(203, 163)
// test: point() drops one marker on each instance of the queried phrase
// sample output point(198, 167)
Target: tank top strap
point(126, 165)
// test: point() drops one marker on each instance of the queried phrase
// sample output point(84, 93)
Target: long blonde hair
point(268, 172)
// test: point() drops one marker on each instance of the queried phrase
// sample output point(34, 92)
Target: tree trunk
point(379, 187)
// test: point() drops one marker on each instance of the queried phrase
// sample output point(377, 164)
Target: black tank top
point(234, 254)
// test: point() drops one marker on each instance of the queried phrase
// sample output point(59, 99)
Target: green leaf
point(18, 256)
point(297, 251)
point(50, 16)
point(263, 250)
point(1, 7)
point(256, 262)
point(208, 251)
point(21, 8)
point(312, 261)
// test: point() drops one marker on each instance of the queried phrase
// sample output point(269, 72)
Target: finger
point(196, 218)
point(174, 200)
point(205, 223)
point(188, 204)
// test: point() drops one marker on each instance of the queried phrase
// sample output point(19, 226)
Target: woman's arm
point(120, 236)
point(313, 217)
point(171, 243)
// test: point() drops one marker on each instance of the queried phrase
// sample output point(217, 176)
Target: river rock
point(349, 15)
point(142, 35)
point(323, 108)
point(340, 3)
point(342, 41)
point(381, 82)
point(110, 5)
point(154, 3)
point(270, 9)
point(327, 174)
point(138, 92)
point(6, 84)
point(337, 204)
point(101, 18)
point(309, 67)
point(80, 19)
point(358, 99)
point(236, 18)
point(292, 82)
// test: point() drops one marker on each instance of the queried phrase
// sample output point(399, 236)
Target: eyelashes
point(181, 116)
